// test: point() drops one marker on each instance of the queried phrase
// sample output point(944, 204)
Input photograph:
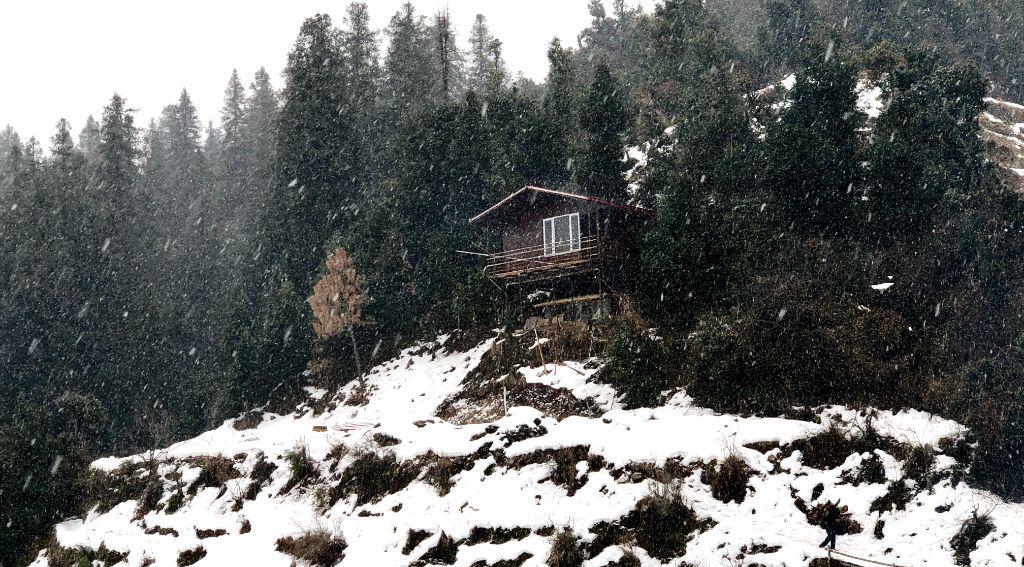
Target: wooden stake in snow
point(540, 350)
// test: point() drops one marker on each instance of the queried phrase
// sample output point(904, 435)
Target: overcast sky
point(64, 58)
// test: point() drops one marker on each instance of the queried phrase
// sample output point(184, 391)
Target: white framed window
point(561, 234)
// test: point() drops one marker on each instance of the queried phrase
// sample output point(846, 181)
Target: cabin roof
point(531, 191)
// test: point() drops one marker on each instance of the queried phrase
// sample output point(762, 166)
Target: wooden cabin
point(549, 235)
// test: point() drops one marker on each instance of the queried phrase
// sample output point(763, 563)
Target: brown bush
point(128, 481)
point(663, 522)
point(566, 550)
point(568, 340)
point(175, 502)
point(302, 467)
point(214, 472)
point(973, 530)
point(869, 471)
point(897, 496)
point(204, 534)
point(262, 470)
point(317, 546)
point(58, 556)
point(191, 556)
point(439, 474)
point(831, 448)
point(918, 465)
point(728, 480)
point(372, 476)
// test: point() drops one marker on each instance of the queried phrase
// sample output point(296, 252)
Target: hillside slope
point(427, 466)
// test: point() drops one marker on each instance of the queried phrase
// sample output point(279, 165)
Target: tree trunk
point(355, 352)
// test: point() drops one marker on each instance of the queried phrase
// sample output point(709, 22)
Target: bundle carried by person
point(820, 514)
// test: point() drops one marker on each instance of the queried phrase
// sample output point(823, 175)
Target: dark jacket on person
point(832, 517)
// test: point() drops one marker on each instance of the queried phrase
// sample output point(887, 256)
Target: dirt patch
point(496, 382)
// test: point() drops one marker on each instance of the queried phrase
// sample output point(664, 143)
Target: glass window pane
point(548, 238)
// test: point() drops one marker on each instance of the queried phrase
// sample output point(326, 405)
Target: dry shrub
point(918, 465)
point(316, 546)
point(372, 476)
point(728, 480)
point(73, 557)
point(663, 521)
point(262, 470)
point(326, 369)
point(443, 552)
point(496, 535)
point(246, 527)
point(845, 525)
point(191, 556)
point(359, 395)
point(151, 496)
point(175, 502)
point(566, 550)
point(973, 530)
point(128, 481)
point(869, 471)
point(204, 534)
point(897, 496)
point(214, 472)
point(564, 472)
point(879, 531)
point(385, 440)
point(830, 448)
point(517, 562)
point(414, 538)
point(302, 467)
point(628, 559)
point(439, 474)
point(568, 340)
point(563, 464)
point(248, 420)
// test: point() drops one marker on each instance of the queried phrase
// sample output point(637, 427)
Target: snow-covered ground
point(501, 487)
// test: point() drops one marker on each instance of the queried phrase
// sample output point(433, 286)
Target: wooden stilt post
point(540, 350)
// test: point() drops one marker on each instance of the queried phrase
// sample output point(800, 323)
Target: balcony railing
point(532, 263)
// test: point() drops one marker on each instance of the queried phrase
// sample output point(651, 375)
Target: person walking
point(832, 524)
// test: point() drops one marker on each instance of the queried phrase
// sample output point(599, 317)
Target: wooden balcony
point(531, 264)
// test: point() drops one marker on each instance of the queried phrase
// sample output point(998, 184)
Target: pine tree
point(231, 167)
point(448, 57)
point(481, 70)
point(316, 187)
point(89, 139)
point(561, 117)
point(813, 152)
point(410, 74)
point(604, 120)
point(925, 148)
point(362, 58)
point(784, 39)
point(10, 153)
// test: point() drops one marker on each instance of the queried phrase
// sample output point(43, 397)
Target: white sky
point(64, 58)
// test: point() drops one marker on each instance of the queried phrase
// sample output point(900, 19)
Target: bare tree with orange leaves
point(337, 301)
